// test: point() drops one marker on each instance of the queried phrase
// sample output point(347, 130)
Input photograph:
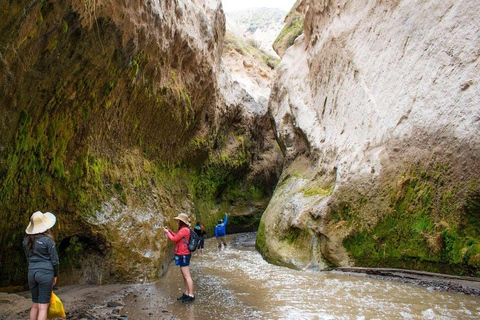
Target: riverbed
point(237, 283)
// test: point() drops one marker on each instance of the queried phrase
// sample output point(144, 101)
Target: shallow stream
point(238, 284)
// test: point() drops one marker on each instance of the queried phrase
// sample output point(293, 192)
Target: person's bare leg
point(188, 280)
point(42, 311)
point(184, 281)
point(34, 312)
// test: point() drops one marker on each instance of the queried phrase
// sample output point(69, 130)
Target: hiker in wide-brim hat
point(183, 217)
point(42, 257)
point(182, 254)
point(40, 222)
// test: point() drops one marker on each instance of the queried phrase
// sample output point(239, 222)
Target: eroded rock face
point(376, 111)
point(100, 102)
point(292, 29)
point(244, 84)
point(113, 119)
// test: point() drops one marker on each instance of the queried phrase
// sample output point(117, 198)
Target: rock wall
point(111, 118)
point(244, 83)
point(376, 111)
point(292, 29)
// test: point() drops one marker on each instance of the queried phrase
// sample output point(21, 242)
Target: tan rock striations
point(376, 111)
point(112, 118)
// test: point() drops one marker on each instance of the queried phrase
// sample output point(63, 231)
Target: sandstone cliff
point(376, 111)
point(292, 29)
point(111, 117)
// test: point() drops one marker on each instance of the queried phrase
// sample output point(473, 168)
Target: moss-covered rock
point(421, 216)
point(116, 128)
point(292, 29)
point(392, 153)
point(430, 224)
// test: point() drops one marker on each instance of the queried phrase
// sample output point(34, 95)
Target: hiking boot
point(188, 299)
point(182, 297)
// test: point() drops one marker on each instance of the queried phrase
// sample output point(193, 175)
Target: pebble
point(113, 304)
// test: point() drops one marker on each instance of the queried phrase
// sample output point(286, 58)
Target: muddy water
point(238, 284)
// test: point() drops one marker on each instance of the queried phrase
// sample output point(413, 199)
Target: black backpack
point(193, 243)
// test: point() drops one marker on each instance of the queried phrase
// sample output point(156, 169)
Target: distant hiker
point(200, 231)
point(220, 232)
point(42, 257)
point(182, 254)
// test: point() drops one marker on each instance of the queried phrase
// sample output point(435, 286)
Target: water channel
point(238, 284)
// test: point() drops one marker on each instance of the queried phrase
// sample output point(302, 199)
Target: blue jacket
point(220, 228)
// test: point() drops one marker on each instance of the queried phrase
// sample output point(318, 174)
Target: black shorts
point(41, 284)
point(201, 244)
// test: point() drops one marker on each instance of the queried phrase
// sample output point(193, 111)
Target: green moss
point(64, 27)
point(289, 33)
point(40, 18)
point(71, 256)
point(293, 235)
point(69, 151)
point(220, 172)
point(247, 223)
point(317, 191)
point(422, 231)
point(261, 239)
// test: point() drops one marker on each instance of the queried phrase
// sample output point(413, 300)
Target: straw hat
point(183, 217)
point(40, 222)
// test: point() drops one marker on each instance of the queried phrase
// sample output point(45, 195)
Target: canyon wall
point(111, 117)
point(376, 111)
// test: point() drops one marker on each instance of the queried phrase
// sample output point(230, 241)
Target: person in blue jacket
point(220, 232)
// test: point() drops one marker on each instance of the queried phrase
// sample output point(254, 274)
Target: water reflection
point(238, 284)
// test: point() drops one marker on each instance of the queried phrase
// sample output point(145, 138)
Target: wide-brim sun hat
point(183, 217)
point(40, 222)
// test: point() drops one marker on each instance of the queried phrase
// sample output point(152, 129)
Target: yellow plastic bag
point(55, 309)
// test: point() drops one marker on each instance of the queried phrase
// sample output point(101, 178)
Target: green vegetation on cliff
point(96, 113)
point(249, 49)
point(292, 29)
point(431, 225)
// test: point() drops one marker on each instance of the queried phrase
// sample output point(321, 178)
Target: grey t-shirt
point(43, 255)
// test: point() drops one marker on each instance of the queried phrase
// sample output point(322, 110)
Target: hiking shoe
point(188, 299)
point(182, 297)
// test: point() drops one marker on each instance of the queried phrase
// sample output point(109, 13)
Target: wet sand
point(80, 302)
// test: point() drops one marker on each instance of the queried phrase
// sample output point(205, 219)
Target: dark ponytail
point(30, 240)
point(32, 237)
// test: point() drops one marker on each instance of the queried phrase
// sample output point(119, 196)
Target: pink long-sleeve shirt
point(181, 247)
